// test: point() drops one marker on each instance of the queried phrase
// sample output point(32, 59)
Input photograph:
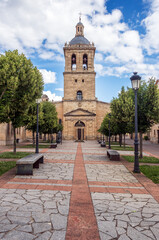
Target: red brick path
point(81, 221)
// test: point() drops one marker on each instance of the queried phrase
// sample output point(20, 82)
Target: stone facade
point(80, 111)
point(6, 134)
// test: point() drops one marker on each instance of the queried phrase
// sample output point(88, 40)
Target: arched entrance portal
point(79, 130)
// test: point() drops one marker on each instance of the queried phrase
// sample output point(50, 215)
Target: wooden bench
point(113, 155)
point(26, 164)
point(53, 145)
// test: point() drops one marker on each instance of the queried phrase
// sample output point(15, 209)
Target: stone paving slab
point(59, 156)
point(109, 173)
point(126, 216)
point(96, 158)
point(33, 214)
point(58, 171)
point(107, 199)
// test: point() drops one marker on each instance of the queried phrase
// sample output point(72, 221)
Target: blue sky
point(125, 33)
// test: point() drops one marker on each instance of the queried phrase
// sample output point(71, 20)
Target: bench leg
point(36, 164)
point(26, 169)
point(41, 160)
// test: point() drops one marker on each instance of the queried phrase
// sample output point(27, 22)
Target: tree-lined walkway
point(78, 194)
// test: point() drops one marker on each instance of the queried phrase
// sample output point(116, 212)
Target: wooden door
point(79, 134)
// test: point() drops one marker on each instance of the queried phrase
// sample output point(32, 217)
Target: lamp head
point(135, 81)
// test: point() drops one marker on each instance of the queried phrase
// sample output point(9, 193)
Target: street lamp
point(109, 130)
point(135, 80)
point(38, 101)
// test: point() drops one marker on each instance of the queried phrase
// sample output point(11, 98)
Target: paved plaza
point(78, 193)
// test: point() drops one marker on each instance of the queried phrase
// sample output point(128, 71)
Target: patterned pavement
point(78, 193)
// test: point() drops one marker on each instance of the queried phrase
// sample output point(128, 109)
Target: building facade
point(80, 111)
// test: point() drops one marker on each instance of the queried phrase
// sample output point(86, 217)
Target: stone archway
point(79, 128)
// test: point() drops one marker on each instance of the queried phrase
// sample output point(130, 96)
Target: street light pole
point(136, 162)
point(109, 131)
point(37, 126)
point(135, 80)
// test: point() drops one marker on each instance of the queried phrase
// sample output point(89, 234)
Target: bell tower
point(80, 111)
point(79, 74)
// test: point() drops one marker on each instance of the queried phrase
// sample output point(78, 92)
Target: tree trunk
point(33, 138)
point(141, 155)
point(14, 145)
point(115, 138)
point(124, 140)
point(44, 136)
point(120, 139)
point(3, 93)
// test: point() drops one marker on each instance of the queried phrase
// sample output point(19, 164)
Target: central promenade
point(78, 193)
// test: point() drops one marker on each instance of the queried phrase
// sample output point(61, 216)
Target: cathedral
point(79, 111)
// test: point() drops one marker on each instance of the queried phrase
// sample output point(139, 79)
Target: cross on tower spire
point(80, 16)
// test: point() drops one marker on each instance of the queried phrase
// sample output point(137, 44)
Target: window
point(75, 80)
point(73, 62)
point(79, 95)
point(60, 121)
point(82, 80)
point(85, 62)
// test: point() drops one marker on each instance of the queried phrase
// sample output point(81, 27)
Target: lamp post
point(135, 80)
point(37, 126)
point(109, 130)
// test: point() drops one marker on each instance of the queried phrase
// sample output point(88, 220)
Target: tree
point(49, 125)
point(20, 84)
point(148, 108)
point(31, 119)
point(122, 109)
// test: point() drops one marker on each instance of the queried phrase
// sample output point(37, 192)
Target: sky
point(125, 33)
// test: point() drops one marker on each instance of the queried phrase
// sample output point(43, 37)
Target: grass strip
point(8, 155)
point(152, 172)
point(6, 166)
point(113, 143)
point(34, 146)
point(145, 159)
point(122, 148)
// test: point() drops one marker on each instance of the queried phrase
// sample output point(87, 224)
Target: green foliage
point(146, 138)
point(6, 166)
point(50, 119)
point(148, 105)
point(33, 146)
point(104, 128)
point(151, 172)
point(20, 84)
point(8, 155)
point(122, 109)
point(145, 159)
point(122, 148)
point(23, 83)
point(31, 117)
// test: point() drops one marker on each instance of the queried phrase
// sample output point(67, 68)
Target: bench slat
point(30, 158)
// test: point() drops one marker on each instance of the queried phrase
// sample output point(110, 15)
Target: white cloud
point(46, 55)
point(52, 96)
point(44, 26)
point(59, 89)
point(48, 76)
point(151, 40)
point(98, 57)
